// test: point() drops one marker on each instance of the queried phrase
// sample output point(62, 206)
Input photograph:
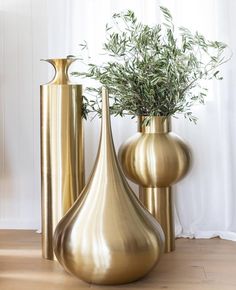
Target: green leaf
point(152, 70)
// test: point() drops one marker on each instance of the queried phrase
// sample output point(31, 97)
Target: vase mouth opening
point(154, 116)
point(59, 59)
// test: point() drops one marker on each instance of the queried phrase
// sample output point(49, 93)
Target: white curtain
point(205, 201)
point(22, 43)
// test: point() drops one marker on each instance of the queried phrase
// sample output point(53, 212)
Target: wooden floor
point(196, 264)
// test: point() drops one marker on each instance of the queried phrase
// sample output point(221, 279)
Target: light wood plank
point(195, 265)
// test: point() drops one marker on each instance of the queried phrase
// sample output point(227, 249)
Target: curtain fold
point(205, 199)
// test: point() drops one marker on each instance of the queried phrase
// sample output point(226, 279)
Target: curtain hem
point(225, 235)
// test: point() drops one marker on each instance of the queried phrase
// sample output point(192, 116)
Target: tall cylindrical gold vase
point(62, 156)
point(155, 158)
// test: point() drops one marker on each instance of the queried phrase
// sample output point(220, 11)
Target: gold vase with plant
point(153, 73)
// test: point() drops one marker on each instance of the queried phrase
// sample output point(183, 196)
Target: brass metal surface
point(158, 200)
point(156, 158)
point(108, 237)
point(62, 163)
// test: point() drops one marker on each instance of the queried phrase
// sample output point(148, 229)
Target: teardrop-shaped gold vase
point(108, 237)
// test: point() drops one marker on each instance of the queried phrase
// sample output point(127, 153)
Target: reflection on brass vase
point(108, 237)
point(62, 164)
point(155, 159)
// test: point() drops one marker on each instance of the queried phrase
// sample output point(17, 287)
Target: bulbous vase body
point(156, 158)
point(108, 237)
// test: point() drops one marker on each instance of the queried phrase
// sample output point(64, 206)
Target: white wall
point(23, 42)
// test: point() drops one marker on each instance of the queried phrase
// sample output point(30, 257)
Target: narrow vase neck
point(106, 140)
point(61, 66)
point(106, 122)
point(156, 124)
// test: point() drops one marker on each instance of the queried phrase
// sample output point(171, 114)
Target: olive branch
point(153, 70)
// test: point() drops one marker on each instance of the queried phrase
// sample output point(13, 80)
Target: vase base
point(158, 201)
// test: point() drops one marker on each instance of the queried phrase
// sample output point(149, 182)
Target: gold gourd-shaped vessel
point(62, 149)
point(155, 158)
point(108, 237)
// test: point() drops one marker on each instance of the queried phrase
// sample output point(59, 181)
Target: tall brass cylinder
point(62, 156)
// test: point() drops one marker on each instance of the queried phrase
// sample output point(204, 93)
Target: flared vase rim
point(59, 58)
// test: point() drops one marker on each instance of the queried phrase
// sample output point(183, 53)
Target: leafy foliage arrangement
point(154, 71)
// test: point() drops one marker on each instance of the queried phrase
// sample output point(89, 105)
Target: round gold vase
point(62, 149)
point(156, 158)
point(108, 237)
